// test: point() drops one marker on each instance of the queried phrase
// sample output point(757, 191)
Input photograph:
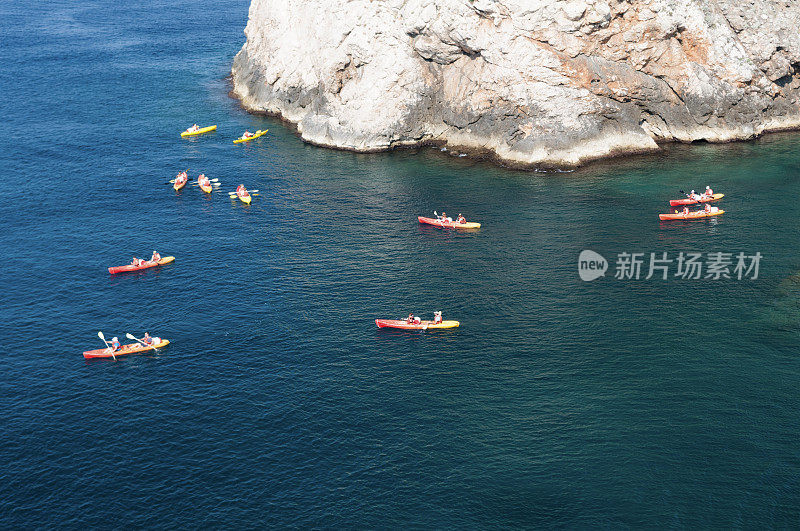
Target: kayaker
point(444, 218)
point(156, 257)
point(136, 262)
point(202, 179)
point(708, 207)
point(410, 318)
point(686, 211)
point(247, 134)
point(709, 192)
point(241, 190)
point(194, 128)
point(147, 340)
point(693, 195)
point(461, 219)
point(437, 317)
point(115, 344)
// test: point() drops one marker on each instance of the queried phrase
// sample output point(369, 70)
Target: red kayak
point(687, 201)
point(449, 224)
point(142, 265)
point(403, 324)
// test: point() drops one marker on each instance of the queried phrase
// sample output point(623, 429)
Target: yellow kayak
point(255, 135)
point(199, 131)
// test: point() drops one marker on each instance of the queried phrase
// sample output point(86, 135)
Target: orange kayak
point(204, 184)
point(133, 348)
point(691, 215)
point(180, 182)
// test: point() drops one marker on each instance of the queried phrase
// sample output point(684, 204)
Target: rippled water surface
point(556, 403)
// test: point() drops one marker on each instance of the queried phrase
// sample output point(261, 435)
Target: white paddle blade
point(101, 336)
point(129, 336)
point(253, 191)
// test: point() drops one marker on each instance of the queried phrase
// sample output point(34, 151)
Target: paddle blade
point(129, 336)
point(253, 191)
point(435, 213)
point(101, 336)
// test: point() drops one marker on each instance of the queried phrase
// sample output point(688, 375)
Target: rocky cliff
point(532, 82)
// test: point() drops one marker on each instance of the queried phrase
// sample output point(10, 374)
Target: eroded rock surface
point(533, 82)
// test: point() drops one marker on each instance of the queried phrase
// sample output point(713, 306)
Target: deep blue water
point(558, 403)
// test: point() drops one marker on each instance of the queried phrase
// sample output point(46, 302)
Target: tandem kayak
point(204, 184)
point(687, 201)
point(405, 325)
point(244, 196)
point(144, 265)
point(180, 182)
point(449, 224)
point(249, 138)
point(691, 215)
point(199, 131)
point(133, 348)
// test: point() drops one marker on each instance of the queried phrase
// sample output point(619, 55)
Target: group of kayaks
point(247, 136)
point(415, 323)
point(207, 185)
point(694, 198)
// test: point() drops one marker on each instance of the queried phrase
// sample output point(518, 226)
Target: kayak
point(205, 187)
point(199, 131)
point(691, 215)
point(180, 183)
point(144, 265)
point(687, 201)
point(249, 138)
point(449, 224)
point(405, 325)
point(245, 197)
point(133, 348)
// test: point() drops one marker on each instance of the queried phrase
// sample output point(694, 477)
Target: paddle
point(130, 336)
point(101, 336)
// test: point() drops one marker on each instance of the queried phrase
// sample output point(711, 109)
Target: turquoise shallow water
point(557, 403)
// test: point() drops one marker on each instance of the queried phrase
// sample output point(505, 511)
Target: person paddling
point(136, 262)
point(709, 192)
point(247, 134)
point(156, 257)
point(115, 344)
point(437, 317)
point(461, 219)
point(147, 340)
point(686, 211)
point(241, 190)
point(202, 180)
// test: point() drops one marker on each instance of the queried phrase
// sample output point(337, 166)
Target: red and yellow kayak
point(244, 196)
point(199, 131)
point(687, 201)
point(691, 215)
point(449, 224)
point(180, 181)
point(144, 265)
point(204, 184)
point(124, 350)
point(405, 325)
